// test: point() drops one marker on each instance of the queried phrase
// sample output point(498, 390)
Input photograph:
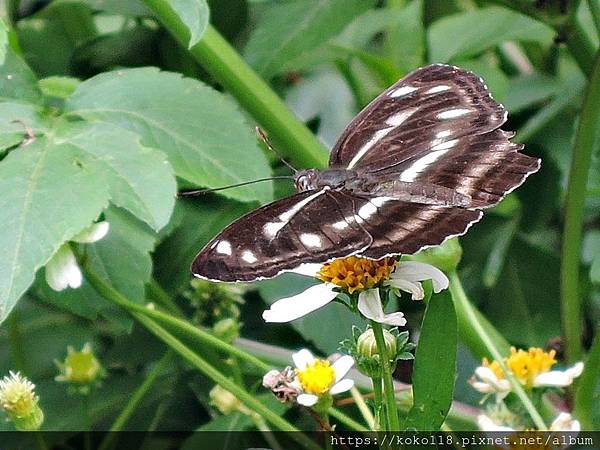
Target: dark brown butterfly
point(414, 168)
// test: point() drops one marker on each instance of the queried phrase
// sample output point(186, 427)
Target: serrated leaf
point(470, 33)
point(435, 365)
point(194, 14)
point(48, 195)
point(138, 178)
point(289, 30)
point(17, 82)
point(203, 134)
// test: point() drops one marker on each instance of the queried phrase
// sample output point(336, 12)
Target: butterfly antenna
point(206, 191)
point(263, 137)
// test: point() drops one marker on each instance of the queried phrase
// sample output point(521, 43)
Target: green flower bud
point(226, 330)
point(81, 368)
point(224, 400)
point(18, 399)
point(366, 345)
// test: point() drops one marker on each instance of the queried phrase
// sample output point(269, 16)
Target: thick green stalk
point(585, 140)
point(222, 61)
point(135, 400)
point(388, 385)
point(380, 421)
point(585, 397)
point(481, 331)
point(466, 327)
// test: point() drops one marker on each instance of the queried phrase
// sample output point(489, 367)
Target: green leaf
point(18, 82)
point(470, 33)
point(59, 87)
point(138, 178)
point(289, 30)
point(48, 195)
point(204, 136)
point(194, 14)
point(3, 40)
point(435, 366)
point(409, 36)
point(133, 8)
point(16, 121)
point(528, 90)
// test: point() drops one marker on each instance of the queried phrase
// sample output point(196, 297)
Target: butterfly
point(414, 168)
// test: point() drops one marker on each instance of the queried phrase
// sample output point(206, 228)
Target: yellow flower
point(527, 365)
point(354, 273)
point(80, 367)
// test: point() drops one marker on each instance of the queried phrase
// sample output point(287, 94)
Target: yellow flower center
point(317, 378)
point(524, 365)
point(355, 273)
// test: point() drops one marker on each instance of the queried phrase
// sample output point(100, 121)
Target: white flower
point(317, 377)
point(406, 277)
point(565, 422)
point(558, 378)
point(487, 382)
point(485, 423)
point(62, 270)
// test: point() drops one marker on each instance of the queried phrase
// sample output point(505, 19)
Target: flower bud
point(224, 400)
point(226, 329)
point(18, 399)
point(80, 367)
point(366, 344)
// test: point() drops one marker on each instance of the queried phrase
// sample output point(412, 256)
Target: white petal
point(290, 308)
point(413, 288)
point(418, 271)
point(342, 386)
point(487, 424)
point(303, 358)
point(341, 366)
point(93, 233)
point(565, 422)
point(62, 270)
point(307, 399)
point(482, 387)
point(369, 304)
point(487, 376)
point(308, 269)
point(559, 378)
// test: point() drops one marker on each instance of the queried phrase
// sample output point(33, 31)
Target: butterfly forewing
point(309, 227)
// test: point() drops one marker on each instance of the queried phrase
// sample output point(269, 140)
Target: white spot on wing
point(367, 210)
point(249, 257)
point(398, 118)
point(272, 228)
point(402, 91)
point(420, 165)
point(443, 134)
point(379, 201)
point(379, 134)
point(453, 113)
point(224, 248)
point(311, 240)
point(287, 215)
point(445, 145)
point(341, 225)
point(436, 89)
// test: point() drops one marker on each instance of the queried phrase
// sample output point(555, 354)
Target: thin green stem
point(156, 291)
point(467, 330)
point(16, 344)
point(328, 427)
point(114, 296)
point(380, 422)
point(362, 407)
point(135, 400)
point(487, 340)
point(585, 398)
point(388, 385)
point(224, 63)
point(594, 6)
point(585, 140)
point(348, 421)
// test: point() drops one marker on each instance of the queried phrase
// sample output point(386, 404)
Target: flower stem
point(471, 317)
point(222, 61)
point(585, 140)
point(585, 400)
point(388, 385)
point(362, 407)
point(114, 296)
point(135, 400)
point(348, 421)
point(380, 422)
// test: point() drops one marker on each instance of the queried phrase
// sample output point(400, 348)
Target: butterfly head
point(306, 180)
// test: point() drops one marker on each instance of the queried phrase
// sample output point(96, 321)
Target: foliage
point(109, 108)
